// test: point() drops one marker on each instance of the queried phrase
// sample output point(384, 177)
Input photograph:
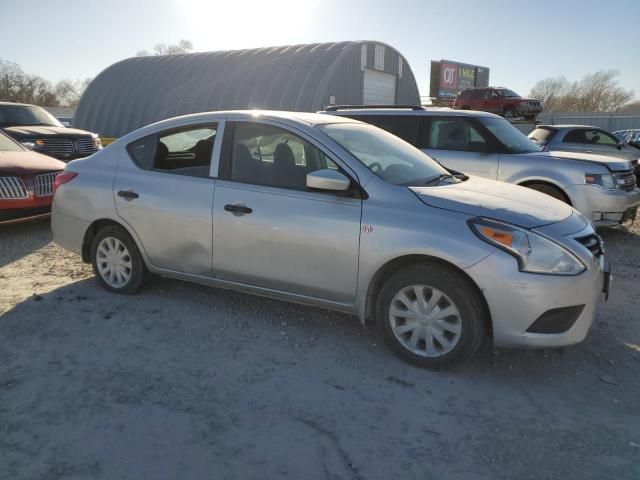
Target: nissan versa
point(335, 213)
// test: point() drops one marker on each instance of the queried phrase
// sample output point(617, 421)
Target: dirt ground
point(183, 381)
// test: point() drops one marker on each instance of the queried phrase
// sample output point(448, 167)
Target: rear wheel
point(116, 260)
point(431, 315)
point(549, 190)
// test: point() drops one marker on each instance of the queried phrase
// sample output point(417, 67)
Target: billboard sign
point(453, 77)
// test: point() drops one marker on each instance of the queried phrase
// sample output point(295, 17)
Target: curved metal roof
point(141, 90)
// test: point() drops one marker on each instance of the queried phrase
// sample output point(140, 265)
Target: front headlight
point(534, 252)
point(605, 180)
point(97, 142)
point(30, 144)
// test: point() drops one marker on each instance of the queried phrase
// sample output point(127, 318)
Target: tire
point(114, 245)
point(470, 316)
point(509, 112)
point(549, 190)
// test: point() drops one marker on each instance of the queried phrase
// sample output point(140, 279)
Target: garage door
point(379, 88)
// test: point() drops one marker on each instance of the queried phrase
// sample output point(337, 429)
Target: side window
point(184, 152)
point(598, 137)
point(405, 127)
point(262, 154)
point(575, 136)
point(456, 134)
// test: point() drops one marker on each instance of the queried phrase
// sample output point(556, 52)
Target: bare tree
point(595, 92)
point(631, 107)
point(18, 86)
point(183, 46)
point(69, 91)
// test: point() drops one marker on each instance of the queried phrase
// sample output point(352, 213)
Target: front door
point(269, 231)
point(164, 192)
point(459, 145)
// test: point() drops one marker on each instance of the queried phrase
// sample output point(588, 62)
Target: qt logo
point(449, 75)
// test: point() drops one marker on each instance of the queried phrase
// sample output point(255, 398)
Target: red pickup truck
point(499, 100)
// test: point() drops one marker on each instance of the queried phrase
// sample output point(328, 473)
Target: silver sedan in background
point(339, 214)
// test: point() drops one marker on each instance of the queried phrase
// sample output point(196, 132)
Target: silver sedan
point(339, 214)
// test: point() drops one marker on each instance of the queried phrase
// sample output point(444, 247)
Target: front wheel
point(116, 260)
point(509, 112)
point(549, 190)
point(431, 315)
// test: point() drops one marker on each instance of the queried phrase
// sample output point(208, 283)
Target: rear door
point(460, 144)
point(164, 192)
point(574, 140)
point(269, 231)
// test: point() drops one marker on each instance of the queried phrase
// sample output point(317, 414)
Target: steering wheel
point(375, 167)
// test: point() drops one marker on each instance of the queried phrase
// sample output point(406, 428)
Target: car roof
point(560, 127)
point(432, 111)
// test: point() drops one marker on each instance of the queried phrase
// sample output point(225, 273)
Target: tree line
point(595, 92)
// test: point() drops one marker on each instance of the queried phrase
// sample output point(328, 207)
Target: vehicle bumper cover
point(604, 206)
point(68, 231)
point(521, 298)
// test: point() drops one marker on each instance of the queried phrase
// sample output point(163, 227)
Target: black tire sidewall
point(138, 267)
point(548, 190)
point(459, 289)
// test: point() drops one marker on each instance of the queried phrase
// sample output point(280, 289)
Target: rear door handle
point(237, 209)
point(128, 194)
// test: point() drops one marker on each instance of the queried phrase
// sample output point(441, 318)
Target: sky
point(521, 42)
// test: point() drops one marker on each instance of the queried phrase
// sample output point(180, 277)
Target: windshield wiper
point(437, 179)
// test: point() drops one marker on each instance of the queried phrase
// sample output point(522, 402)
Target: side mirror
point(328, 180)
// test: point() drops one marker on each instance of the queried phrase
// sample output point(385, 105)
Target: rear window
point(542, 136)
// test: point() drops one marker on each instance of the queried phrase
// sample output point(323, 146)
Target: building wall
point(138, 91)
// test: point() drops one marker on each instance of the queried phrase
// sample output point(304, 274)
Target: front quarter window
point(386, 155)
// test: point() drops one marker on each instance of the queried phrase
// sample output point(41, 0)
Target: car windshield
point(505, 92)
point(512, 138)
point(386, 155)
point(8, 145)
point(23, 115)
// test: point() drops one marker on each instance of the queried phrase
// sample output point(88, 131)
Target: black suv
point(38, 130)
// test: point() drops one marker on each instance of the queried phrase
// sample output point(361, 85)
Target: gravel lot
point(183, 381)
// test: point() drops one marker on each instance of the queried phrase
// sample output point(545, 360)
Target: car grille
point(64, 147)
point(43, 184)
point(625, 180)
point(58, 146)
point(86, 145)
point(593, 243)
point(12, 188)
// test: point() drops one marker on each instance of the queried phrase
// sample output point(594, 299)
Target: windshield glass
point(386, 155)
point(8, 145)
point(505, 92)
point(512, 138)
point(21, 115)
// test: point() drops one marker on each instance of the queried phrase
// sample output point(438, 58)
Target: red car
point(501, 101)
point(26, 182)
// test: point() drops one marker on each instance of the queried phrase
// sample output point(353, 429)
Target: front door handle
point(237, 209)
point(128, 194)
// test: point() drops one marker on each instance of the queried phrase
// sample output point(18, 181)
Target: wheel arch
point(398, 263)
point(93, 229)
point(534, 181)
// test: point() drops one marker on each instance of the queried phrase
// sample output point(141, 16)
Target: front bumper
point(524, 109)
point(604, 207)
point(23, 209)
point(519, 299)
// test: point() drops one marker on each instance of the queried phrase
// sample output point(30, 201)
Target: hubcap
point(425, 320)
point(114, 262)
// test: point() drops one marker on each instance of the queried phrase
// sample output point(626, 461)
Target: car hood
point(613, 163)
point(498, 200)
point(27, 163)
point(33, 131)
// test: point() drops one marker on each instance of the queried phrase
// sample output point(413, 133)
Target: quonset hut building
point(142, 90)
